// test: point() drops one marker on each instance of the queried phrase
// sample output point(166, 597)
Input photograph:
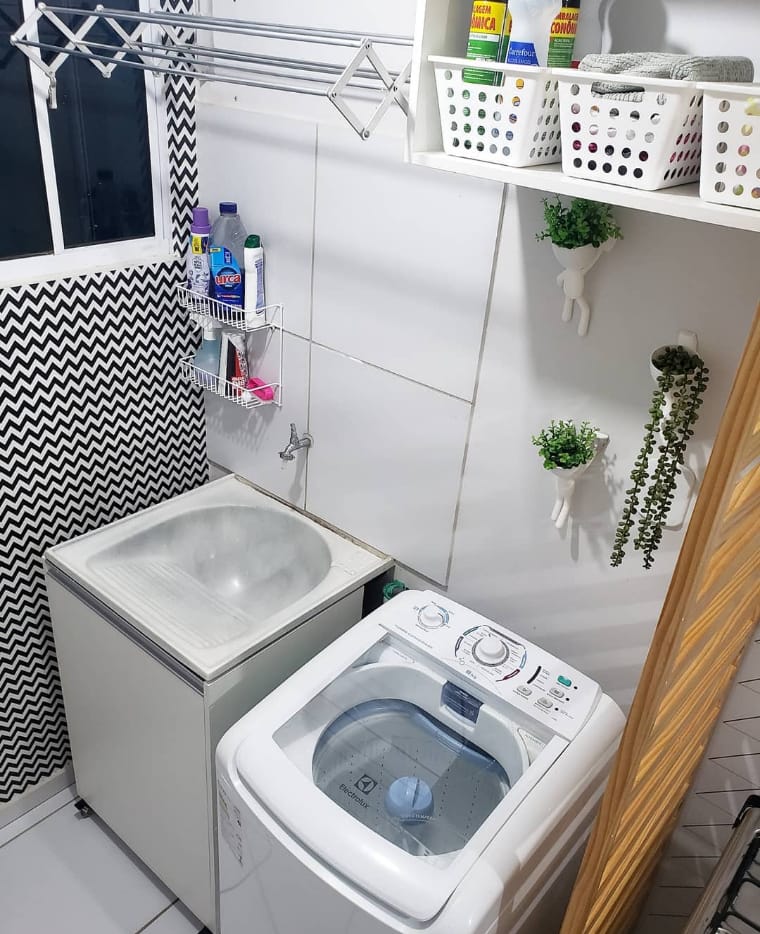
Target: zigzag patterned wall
point(94, 425)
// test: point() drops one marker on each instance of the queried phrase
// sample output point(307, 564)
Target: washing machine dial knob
point(490, 651)
point(432, 616)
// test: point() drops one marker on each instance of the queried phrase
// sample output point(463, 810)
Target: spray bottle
point(198, 272)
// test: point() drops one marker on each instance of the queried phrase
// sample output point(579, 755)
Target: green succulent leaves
point(684, 376)
point(582, 223)
point(564, 444)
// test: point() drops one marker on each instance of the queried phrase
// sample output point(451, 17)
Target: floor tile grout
point(156, 917)
point(35, 824)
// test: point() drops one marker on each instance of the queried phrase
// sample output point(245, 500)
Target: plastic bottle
point(198, 273)
point(531, 31)
point(226, 255)
point(488, 40)
point(254, 281)
point(207, 358)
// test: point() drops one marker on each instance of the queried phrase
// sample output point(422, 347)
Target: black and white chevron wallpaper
point(94, 424)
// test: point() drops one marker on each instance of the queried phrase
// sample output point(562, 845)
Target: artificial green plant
point(564, 444)
point(682, 381)
point(579, 224)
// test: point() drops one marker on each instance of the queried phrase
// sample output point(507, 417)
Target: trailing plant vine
point(674, 410)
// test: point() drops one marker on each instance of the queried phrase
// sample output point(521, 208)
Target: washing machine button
point(558, 692)
point(545, 702)
point(526, 692)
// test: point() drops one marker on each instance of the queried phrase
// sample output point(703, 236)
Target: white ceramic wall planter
point(576, 263)
point(566, 479)
point(687, 482)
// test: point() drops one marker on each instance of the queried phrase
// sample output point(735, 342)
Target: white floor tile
point(35, 815)
point(69, 875)
point(175, 920)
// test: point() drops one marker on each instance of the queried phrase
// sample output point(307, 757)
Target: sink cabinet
point(144, 728)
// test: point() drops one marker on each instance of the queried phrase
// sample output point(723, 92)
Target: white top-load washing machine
point(428, 771)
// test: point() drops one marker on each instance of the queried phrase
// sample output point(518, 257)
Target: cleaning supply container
point(731, 145)
point(516, 123)
point(647, 139)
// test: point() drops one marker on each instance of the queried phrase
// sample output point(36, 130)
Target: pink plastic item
point(259, 388)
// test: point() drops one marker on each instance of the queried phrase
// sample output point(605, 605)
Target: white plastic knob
point(491, 650)
point(431, 615)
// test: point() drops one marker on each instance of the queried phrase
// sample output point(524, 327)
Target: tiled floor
point(66, 874)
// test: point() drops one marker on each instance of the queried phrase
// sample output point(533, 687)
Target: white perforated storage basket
point(650, 143)
point(731, 148)
point(516, 123)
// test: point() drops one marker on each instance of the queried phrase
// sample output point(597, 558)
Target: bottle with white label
point(255, 301)
point(532, 22)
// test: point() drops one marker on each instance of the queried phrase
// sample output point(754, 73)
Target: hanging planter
point(681, 377)
point(579, 234)
point(568, 450)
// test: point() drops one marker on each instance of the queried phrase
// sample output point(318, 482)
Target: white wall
point(422, 394)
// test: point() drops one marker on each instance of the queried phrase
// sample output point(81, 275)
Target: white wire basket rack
point(220, 314)
point(230, 390)
point(731, 147)
point(515, 122)
point(650, 139)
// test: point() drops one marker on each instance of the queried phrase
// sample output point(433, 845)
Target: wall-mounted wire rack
point(168, 43)
point(259, 329)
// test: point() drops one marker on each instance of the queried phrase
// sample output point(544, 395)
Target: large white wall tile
point(247, 441)
point(266, 164)
point(387, 459)
point(403, 261)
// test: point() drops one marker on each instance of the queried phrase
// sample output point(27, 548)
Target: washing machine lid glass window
point(407, 776)
point(382, 777)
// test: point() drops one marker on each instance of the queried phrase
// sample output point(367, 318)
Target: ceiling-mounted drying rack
point(166, 43)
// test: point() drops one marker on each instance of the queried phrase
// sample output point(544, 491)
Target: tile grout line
point(156, 917)
point(478, 372)
point(36, 823)
point(382, 369)
point(311, 309)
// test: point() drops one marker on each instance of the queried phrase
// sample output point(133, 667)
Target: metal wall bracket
point(167, 43)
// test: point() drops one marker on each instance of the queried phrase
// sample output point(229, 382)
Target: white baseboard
point(34, 796)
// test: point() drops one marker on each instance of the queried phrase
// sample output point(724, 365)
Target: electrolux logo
point(366, 784)
point(353, 796)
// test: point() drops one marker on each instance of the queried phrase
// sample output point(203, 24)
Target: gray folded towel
point(663, 65)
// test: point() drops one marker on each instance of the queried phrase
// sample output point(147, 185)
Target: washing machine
point(429, 771)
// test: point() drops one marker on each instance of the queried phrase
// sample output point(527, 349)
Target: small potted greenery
point(681, 377)
point(567, 451)
point(579, 234)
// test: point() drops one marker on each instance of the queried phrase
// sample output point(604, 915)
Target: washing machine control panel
point(494, 658)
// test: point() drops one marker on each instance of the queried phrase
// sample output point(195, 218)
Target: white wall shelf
point(441, 29)
point(226, 389)
point(682, 201)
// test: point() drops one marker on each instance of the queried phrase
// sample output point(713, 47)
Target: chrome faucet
point(295, 443)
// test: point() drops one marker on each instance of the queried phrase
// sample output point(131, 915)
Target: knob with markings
point(431, 616)
point(490, 651)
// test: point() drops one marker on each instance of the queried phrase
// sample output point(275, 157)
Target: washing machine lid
point(390, 774)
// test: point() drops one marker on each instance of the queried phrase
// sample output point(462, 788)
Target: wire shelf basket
point(228, 316)
point(228, 389)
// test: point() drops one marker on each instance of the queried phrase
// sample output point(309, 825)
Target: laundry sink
point(208, 573)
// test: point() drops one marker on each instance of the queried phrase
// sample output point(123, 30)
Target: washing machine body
point(429, 771)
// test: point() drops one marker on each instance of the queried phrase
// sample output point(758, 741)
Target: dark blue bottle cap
point(228, 207)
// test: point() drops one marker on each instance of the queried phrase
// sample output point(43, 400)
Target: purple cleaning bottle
point(198, 269)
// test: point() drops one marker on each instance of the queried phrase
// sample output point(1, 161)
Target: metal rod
point(190, 71)
point(135, 45)
point(242, 27)
point(177, 73)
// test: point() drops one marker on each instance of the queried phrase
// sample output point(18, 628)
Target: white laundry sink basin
point(212, 573)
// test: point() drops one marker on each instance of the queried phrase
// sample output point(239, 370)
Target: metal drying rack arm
point(164, 43)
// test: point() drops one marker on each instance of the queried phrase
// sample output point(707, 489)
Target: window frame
point(63, 261)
